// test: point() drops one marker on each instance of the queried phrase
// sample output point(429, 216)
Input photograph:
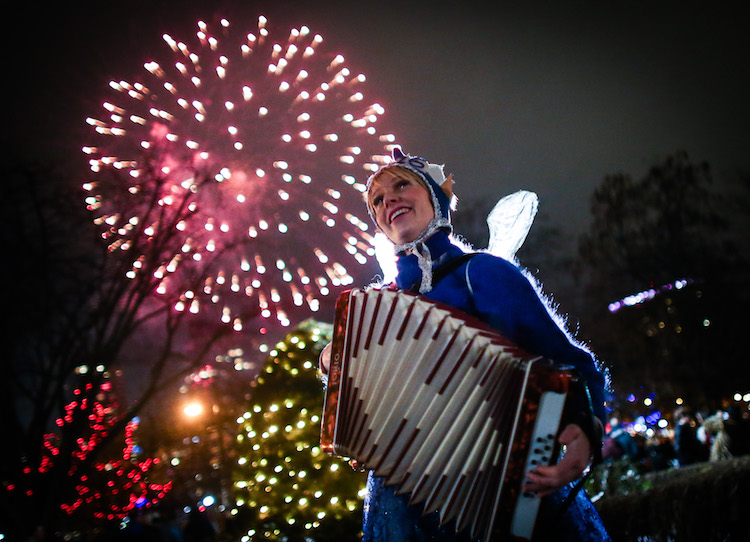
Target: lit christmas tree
point(120, 481)
point(285, 486)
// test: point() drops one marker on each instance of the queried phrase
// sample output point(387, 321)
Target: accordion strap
point(440, 272)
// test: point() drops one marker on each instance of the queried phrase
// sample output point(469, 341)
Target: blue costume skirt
point(389, 518)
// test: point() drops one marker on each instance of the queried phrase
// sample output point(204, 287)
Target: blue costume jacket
point(496, 292)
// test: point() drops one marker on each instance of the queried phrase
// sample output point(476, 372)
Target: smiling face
point(401, 204)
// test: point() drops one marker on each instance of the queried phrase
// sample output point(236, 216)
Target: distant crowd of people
point(695, 438)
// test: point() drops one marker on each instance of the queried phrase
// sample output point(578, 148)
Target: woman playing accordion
point(409, 200)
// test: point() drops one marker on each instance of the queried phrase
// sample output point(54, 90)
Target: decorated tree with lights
point(286, 488)
point(109, 478)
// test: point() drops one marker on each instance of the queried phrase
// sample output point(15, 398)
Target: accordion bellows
point(442, 407)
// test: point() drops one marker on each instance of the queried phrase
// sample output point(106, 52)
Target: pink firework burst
point(253, 152)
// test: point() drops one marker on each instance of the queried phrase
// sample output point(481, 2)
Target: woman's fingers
point(546, 479)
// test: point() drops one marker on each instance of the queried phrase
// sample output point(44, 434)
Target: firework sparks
point(263, 145)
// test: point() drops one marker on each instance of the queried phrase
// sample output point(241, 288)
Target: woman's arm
point(505, 299)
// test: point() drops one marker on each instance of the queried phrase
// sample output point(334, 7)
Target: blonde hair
point(395, 172)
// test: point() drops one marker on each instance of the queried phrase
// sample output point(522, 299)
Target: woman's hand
point(546, 479)
point(325, 359)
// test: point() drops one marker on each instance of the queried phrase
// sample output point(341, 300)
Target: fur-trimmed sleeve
point(506, 299)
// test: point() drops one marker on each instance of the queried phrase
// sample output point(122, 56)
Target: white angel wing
point(510, 221)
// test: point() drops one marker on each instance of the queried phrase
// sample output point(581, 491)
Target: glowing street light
point(193, 409)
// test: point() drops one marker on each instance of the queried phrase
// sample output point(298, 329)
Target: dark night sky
point(547, 99)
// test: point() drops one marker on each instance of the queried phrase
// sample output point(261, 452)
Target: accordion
point(443, 408)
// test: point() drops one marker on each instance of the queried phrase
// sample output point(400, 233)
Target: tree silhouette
point(657, 228)
point(670, 236)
